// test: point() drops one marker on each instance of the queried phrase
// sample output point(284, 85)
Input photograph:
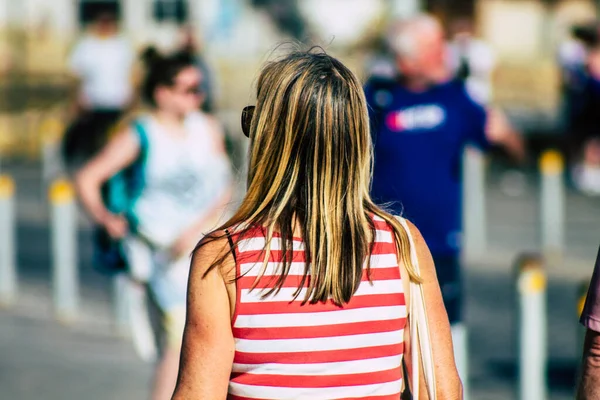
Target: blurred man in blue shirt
point(421, 122)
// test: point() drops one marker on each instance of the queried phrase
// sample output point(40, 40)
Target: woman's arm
point(589, 383)
point(208, 344)
point(118, 154)
point(448, 384)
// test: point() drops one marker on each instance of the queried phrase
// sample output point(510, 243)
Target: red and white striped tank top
point(285, 350)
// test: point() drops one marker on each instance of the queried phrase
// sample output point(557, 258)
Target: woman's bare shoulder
point(418, 239)
point(213, 248)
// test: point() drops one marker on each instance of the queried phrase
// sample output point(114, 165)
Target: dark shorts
point(449, 277)
point(87, 135)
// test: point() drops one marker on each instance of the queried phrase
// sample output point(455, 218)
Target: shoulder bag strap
point(419, 329)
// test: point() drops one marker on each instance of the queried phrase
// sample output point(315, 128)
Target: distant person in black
point(581, 88)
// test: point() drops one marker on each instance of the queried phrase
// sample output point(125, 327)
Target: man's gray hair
point(403, 35)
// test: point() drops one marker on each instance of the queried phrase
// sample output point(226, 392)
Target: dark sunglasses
point(189, 90)
point(247, 114)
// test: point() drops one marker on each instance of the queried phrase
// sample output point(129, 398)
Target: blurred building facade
point(525, 34)
point(36, 36)
point(38, 33)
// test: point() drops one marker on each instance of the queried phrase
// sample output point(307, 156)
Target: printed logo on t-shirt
point(422, 117)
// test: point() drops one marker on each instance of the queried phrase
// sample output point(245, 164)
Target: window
point(171, 10)
point(89, 9)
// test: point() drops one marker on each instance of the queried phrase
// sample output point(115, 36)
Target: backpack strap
point(136, 174)
point(140, 130)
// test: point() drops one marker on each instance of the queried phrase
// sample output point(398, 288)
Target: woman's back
point(330, 321)
point(285, 349)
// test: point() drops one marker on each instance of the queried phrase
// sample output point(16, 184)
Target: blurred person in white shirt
point(102, 61)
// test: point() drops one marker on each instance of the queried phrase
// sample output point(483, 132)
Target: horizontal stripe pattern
point(319, 344)
point(297, 268)
point(296, 332)
point(344, 367)
point(391, 389)
point(319, 381)
point(258, 243)
point(360, 353)
point(286, 349)
point(385, 285)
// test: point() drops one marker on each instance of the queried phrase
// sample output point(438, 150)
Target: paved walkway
point(44, 360)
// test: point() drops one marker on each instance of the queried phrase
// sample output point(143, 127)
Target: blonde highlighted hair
point(310, 162)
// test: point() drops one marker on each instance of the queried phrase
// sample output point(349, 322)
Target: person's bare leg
point(167, 369)
point(165, 375)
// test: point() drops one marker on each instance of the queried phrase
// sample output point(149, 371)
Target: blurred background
point(535, 61)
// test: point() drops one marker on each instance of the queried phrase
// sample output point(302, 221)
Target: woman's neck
point(171, 122)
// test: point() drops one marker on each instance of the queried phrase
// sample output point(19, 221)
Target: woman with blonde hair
point(303, 293)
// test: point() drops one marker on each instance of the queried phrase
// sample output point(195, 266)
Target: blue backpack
point(119, 195)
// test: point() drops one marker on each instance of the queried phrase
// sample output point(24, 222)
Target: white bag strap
point(419, 329)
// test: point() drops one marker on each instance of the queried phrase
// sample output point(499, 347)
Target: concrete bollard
point(121, 311)
point(64, 250)
point(552, 207)
point(532, 329)
point(474, 214)
point(52, 166)
point(461, 354)
point(8, 273)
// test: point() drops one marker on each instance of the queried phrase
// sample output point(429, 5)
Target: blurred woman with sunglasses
point(301, 294)
point(186, 185)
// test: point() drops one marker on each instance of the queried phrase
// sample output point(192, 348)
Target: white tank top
point(184, 178)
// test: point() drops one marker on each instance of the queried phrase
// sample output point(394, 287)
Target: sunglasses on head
point(247, 114)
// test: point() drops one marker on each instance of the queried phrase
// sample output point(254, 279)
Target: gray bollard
point(474, 214)
point(64, 250)
point(552, 208)
point(461, 354)
point(49, 164)
point(532, 328)
point(121, 311)
point(52, 166)
point(8, 273)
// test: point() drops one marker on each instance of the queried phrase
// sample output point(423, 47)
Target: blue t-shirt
point(419, 139)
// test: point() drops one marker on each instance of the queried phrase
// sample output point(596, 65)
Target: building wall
point(525, 35)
